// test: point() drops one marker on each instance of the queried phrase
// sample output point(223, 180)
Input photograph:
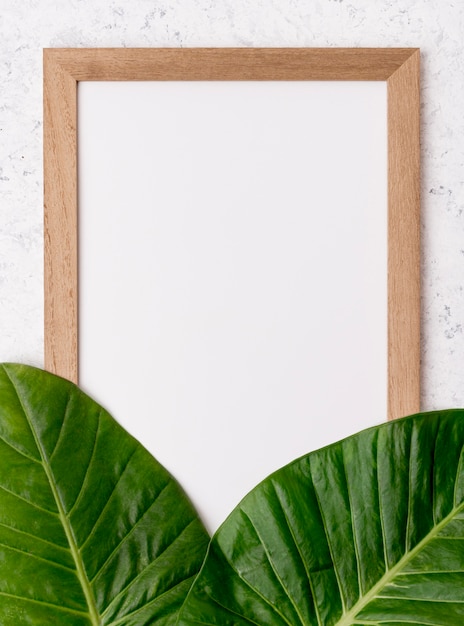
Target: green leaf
point(93, 531)
point(369, 530)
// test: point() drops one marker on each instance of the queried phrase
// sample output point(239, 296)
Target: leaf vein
point(458, 473)
point(66, 410)
point(434, 476)
point(35, 537)
point(146, 568)
point(37, 557)
point(108, 500)
point(269, 560)
point(151, 602)
point(87, 471)
point(408, 521)
point(250, 586)
point(353, 529)
point(437, 571)
point(381, 509)
point(36, 506)
point(325, 527)
point(408, 599)
point(125, 538)
point(58, 607)
point(21, 452)
point(303, 560)
point(226, 608)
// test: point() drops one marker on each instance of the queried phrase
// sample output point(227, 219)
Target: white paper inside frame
point(233, 271)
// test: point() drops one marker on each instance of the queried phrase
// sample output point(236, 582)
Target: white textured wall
point(436, 26)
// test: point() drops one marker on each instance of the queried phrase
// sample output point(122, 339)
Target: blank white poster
point(233, 271)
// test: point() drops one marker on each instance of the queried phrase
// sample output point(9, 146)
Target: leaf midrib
point(349, 617)
point(82, 577)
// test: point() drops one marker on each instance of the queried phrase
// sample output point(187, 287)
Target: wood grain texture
point(230, 63)
point(64, 68)
point(60, 220)
point(404, 234)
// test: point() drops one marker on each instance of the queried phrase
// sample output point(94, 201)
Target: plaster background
point(436, 26)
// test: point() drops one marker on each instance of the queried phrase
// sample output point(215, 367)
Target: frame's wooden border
point(64, 68)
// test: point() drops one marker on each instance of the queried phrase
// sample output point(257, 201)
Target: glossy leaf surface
point(368, 531)
point(93, 531)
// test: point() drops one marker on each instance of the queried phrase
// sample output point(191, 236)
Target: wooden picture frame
point(64, 68)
